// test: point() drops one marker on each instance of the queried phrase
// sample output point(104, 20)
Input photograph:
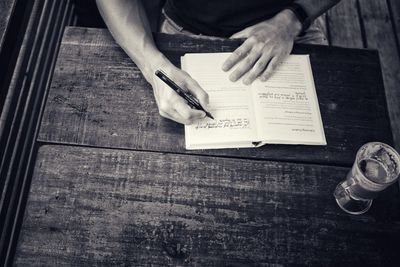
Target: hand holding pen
point(190, 99)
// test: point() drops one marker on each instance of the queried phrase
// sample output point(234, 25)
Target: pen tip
point(208, 114)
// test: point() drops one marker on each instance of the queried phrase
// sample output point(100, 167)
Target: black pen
point(192, 101)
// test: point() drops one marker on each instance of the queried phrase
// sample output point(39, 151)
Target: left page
point(230, 104)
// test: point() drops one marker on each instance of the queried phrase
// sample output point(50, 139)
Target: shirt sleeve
point(315, 8)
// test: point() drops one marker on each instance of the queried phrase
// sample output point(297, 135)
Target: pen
point(192, 101)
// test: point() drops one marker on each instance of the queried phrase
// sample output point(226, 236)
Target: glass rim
point(358, 155)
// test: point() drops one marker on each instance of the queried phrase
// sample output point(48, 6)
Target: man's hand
point(127, 21)
point(267, 44)
point(170, 104)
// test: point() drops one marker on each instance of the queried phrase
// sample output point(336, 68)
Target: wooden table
point(113, 184)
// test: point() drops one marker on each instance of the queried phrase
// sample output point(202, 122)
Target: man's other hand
point(267, 44)
point(170, 104)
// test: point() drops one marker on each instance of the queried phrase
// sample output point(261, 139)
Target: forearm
point(315, 8)
point(128, 24)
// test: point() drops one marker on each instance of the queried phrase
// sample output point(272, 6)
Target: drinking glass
point(376, 167)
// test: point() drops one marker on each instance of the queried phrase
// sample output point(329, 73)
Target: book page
point(286, 105)
point(230, 104)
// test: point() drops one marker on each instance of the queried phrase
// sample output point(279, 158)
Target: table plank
point(113, 207)
point(99, 98)
point(344, 25)
point(380, 35)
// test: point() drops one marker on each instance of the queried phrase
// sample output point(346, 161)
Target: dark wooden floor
point(375, 25)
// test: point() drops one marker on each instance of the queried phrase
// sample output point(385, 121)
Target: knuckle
point(252, 39)
point(260, 65)
point(187, 116)
point(238, 53)
point(253, 74)
point(249, 60)
point(259, 46)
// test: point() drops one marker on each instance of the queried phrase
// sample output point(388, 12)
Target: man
point(270, 27)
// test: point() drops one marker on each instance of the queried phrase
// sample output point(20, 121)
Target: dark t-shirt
point(221, 17)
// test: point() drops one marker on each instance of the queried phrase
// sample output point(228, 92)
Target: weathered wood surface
point(344, 25)
point(375, 25)
point(92, 207)
point(6, 8)
point(395, 11)
point(99, 98)
point(380, 35)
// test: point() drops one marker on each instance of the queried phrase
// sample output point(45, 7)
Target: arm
point(269, 42)
point(128, 24)
point(315, 8)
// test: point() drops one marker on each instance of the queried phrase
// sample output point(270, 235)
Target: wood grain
point(6, 8)
point(380, 35)
point(102, 207)
point(344, 25)
point(98, 97)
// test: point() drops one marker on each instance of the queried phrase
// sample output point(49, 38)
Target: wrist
point(153, 62)
point(294, 25)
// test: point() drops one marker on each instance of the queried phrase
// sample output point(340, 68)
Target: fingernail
point(263, 79)
point(247, 81)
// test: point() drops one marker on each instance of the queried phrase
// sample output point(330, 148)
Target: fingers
point(188, 114)
point(173, 106)
point(237, 55)
point(198, 92)
point(258, 68)
point(261, 62)
point(244, 66)
point(265, 47)
point(178, 110)
point(242, 34)
point(173, 115)
point(273, 64)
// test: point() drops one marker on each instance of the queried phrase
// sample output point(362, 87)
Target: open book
point(282, 110)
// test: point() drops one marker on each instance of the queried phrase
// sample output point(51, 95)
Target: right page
point(286, 106)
